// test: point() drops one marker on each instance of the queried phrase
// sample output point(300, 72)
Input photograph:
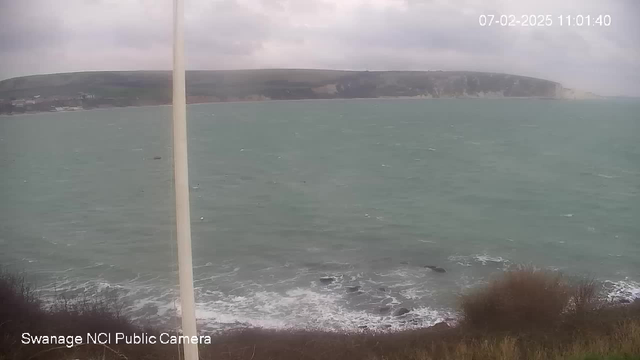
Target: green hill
point(281, 84)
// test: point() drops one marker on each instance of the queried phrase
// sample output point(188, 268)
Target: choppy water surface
point(284, 193)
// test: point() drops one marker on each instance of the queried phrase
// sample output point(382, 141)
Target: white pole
point(183, 216)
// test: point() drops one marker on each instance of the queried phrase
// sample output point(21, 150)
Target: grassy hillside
point(520, 315)
point(279, 84)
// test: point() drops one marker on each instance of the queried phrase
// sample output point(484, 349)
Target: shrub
point(19, 309)
point(585, 296)
point(519, 300)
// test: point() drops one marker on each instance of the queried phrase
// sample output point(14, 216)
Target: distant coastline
point(91, 90)
point(287, 100)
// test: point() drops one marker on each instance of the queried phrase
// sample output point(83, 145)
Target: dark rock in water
point(440, 326)
point(327, 280)
point(384, 309)
point(401, 311)
point(382, 289)
point(157, 157)
point(624, 301)
point(352, 289)
point(435, 268)
point(386, 326)
point(364, 327)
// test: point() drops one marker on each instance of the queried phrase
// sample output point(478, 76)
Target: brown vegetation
point(523, 314)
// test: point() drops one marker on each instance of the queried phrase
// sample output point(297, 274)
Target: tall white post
point(181, 168)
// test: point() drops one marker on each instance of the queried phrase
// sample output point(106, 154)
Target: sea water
point(366, 192)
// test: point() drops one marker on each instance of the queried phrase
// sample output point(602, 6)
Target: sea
point(323, 214)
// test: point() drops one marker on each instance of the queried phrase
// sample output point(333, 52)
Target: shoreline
point(496, 323)
point(310, 99)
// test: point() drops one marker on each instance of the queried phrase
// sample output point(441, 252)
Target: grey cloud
point(415, 35)
point(21, 28)
point(297, 6)
point(625, 29)
point(409, 29)
point(228, 27)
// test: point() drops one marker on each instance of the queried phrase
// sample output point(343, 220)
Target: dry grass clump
point(528, 300)
point(623, 344)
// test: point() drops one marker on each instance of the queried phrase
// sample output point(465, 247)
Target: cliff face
point(438, 84)
point(154, 87)
point(572, 94)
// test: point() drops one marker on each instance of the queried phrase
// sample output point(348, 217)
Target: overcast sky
point(45, 36)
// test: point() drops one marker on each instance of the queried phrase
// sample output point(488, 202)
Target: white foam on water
point(403, 273)
point(300, 308)
point(401, 284)
point(103, 285)
point(218, 275)
point(484, 259)
point(201, 266)
point(434, 315)
point(607, 176)
point(461, 260)
point(416, 293)
point(622, 289)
